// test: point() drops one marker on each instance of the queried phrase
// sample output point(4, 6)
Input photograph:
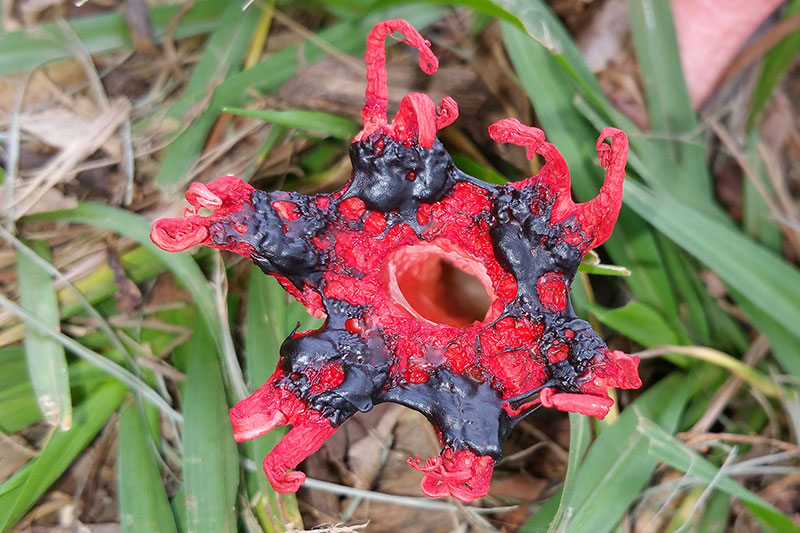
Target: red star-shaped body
point(371, 257)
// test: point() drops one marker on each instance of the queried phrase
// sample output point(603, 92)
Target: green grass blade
point(139, 265)
point(267, 75)
point(604, 270)
point(210, 460)
point(178, 504)
point(266, 327)
point(47, 362)
point(18, 408)
point(19, 493)
point(543, 517)
point(314, 121)
point(550, 91)
point(103, 363)
point(761, 276)
point(44, 265)
point(775, 64)
point(580, 435)
point(18, 411)
point(12, 361)
point(656, 45)
point(783, 341)
point(581, 89)
point(682, 271)
point(670, 110)
point(222, 57)
point(675, 453)
point(715, 514)
point(21, 49)
point(640, 322)
point(137, 228)
point(143, 503)
point(618, 465)
point(757, 218)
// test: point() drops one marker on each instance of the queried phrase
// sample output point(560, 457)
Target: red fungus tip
point(177, 234)
point(462, 475)
point(418, 118)
point(585, 404)
point(512, 131)
point(223, 196)
point(199, 195)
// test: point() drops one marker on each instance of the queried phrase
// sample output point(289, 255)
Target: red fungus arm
point(377, 97)
point(418, 118)
point(272, 406)
point(305, 438)
point(598, 215)
point(585, 404)
point(555, 172)
point(415, 118)
point(223, 196)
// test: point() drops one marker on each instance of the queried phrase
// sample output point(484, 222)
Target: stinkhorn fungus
point(371, 259)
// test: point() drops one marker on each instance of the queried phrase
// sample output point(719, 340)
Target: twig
point(84, 58)
point(409, 501)
point(754, 354)
point(530, 450)
point(13, 147)
point(542, 436)
point(692, 439)
point(128, 160)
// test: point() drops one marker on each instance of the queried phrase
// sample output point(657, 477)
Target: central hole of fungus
point(439, 283)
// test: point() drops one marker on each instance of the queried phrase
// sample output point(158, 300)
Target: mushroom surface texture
point(386, 261)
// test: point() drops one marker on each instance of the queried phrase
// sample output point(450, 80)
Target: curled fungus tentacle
point(418, 117)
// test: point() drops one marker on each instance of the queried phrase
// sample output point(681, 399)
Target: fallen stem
point(728, 362)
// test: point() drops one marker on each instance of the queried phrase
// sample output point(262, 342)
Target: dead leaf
point(55, 126)
point(129, 297)
point(14, 452)
point(710, 34)
point(53, 200)
point(61, 127)
point(604, 38)
point(412, 436)
point(366, 455)
point(62, 166)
